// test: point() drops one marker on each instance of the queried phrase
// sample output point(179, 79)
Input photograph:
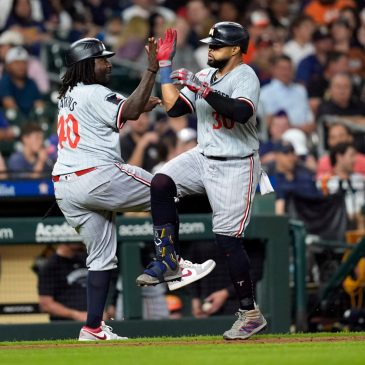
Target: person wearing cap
point(289, 175)
point(18, 93)
point(259, 26)
point(36, 70)
point(312, 66)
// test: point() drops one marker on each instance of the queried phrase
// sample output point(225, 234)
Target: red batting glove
point(187, 78)
point(166, 48)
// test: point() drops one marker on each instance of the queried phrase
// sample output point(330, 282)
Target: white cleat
point(191, 272)
point(248, 323)
point(103, 333)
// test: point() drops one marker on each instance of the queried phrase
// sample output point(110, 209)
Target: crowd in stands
point(309, 56)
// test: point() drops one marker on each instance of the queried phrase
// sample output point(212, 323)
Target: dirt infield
point(177, 342)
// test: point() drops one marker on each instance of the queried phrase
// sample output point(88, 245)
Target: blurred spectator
point(343, 35)
point(186, 140)
point(174, 305)
point(341, 32)
point(112, 32)
point(229, 11)
point(258, 27)
point(184, 56)
point(300, 45)
point(279, 13)
point(337, 62)
point(261, 59)
point(36, 70)
point(282, 94)
point(289, 175)
point(3, 170)
point(139, 145)
point(62, 283)
point(144, 9)
point(7, 132)
point(33, 32)
point(340, 102)
point(298, 139)
point(200, 20)
point(130, 44)
point(325, 12)
point(339, 133)
point(312, 67)
point(343, 178)
point(33, 160)
point(18, 92)
point(278, 124)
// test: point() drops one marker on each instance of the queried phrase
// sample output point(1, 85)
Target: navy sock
point(97, 291)
point(163, 206)
point(239, 269)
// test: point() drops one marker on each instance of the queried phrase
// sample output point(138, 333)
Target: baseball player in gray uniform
point(225, 165)
point(91, 180)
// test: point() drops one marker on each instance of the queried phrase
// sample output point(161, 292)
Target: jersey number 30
point(222, 122)
point(68, 131)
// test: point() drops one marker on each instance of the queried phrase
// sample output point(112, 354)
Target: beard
point(218, 63)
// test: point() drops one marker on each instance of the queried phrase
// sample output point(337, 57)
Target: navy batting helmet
point(84, 49)
point(228, 34)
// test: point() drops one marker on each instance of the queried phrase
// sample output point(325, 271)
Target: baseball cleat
point(158, 272)
point(103, 333)
point(191, 272)
point(248, 323)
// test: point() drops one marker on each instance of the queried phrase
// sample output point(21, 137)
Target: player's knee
point(229, 245)
point(163, 185)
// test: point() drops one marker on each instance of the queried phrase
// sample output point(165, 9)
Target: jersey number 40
point(68, 131)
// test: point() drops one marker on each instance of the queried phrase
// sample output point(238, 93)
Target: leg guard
point(165, 267)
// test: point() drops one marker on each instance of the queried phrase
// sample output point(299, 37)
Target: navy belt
point(219, 158)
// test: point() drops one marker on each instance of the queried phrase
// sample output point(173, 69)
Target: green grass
point(247, 352)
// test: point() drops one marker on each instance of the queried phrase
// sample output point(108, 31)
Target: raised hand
point(187, 78)
point(152, 102)
point(151, 50)
point(166, 48)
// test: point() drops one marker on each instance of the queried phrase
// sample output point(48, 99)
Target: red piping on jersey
point(120, 124)
point(138, 178)
point(187, 101)
point(248, 206)
point(248, 101)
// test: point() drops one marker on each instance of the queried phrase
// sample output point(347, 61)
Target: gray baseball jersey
point(230, 179)
point(88, 122)
point(89, 118)
point(218, 135)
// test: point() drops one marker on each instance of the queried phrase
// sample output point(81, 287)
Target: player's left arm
point(136, 103)
point(239, 107)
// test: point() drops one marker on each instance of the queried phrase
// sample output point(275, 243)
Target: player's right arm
point(173, 101)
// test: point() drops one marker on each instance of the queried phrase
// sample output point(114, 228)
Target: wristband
point(165, 73)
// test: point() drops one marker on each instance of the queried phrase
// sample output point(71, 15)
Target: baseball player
point(225, 165)
point(91, 180)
